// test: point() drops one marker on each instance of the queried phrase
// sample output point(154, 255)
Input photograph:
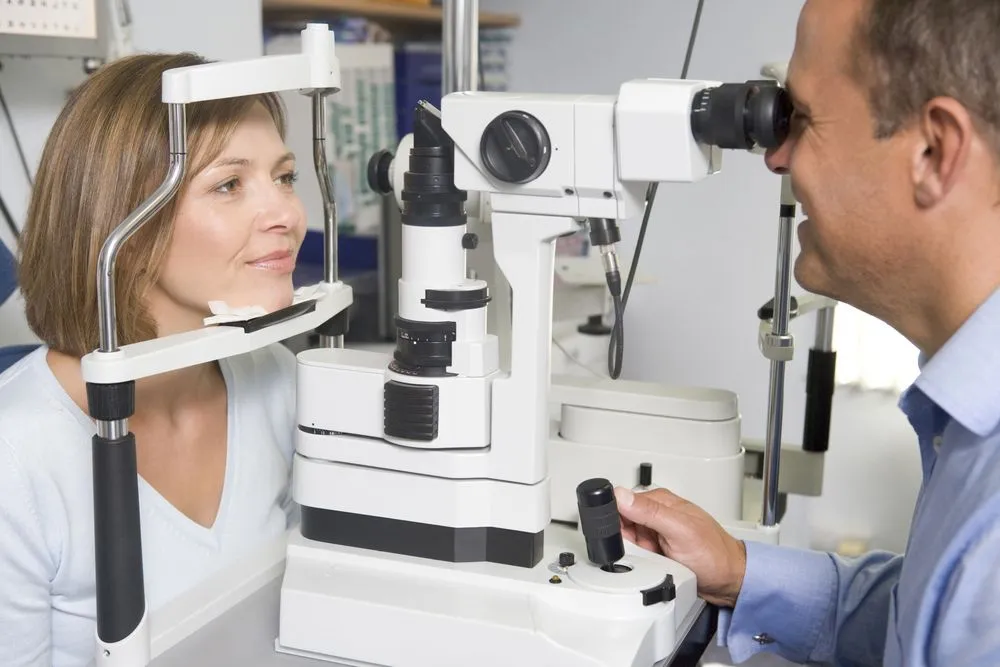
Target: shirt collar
point(963, 377)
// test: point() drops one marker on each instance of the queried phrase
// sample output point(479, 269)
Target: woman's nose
point(281, 212)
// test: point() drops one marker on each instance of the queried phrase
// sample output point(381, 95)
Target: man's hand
point(664, 523)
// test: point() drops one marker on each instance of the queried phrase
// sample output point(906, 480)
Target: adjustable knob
point(515, 148)
point(600, 522)
point(379, 172)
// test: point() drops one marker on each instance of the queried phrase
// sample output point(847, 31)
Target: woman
point(214, 442)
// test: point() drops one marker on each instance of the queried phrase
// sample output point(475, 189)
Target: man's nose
point(777, 159)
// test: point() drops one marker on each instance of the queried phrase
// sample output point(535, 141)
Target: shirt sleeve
point(809, 606)
point(25, 564)
point(964, 631)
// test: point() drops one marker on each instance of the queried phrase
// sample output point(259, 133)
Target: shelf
point(378, 10)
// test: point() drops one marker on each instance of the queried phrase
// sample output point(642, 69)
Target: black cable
point(17, 140)
point(616, 346)
point(616, 352)
point(9, 219)
point(692, 38)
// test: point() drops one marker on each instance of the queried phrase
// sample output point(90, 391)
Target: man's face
point(855, 190)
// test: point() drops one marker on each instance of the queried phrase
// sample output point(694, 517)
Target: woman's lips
point(279, 262)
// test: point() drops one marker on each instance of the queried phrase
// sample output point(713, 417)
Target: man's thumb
point(644, 510)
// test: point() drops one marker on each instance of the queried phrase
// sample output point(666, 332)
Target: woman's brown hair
point(107, 152)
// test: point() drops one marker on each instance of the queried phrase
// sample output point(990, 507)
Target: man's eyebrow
point(244, 162)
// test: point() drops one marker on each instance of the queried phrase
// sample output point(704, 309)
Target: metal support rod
point(824, 329)
point(131, 224)
point(461, 46)
point(112, 430)
point(779, 327)
point(331, 258)
point(121, 604)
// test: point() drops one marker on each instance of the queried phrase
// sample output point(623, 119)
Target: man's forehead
point(824, 39)
point(827, 25)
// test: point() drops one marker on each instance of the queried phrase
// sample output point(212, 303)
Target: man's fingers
point(647, 539)
point(647, 509)
point(628, 531)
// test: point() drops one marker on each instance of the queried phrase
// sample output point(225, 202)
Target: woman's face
point(237, 232)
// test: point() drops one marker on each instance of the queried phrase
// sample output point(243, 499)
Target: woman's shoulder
point(37, 414)
point(45, 443)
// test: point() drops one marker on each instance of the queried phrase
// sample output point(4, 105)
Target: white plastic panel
point(646, 398)
point(715, 484)
point(465, 115)
point(341, 390)
point(667, 435)
point(200, 346)
point(129, 652)
point(655, 142)
point(420, 498)
point(601, 193)
point(453, 615)
point(315, 68)
point(377, 453)
point(524, 250)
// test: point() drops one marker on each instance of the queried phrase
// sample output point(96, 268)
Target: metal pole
point(331, 259)
point(779, 334)
point(461, 46)
point(121, 604)
point(824, 329)
point(131, 224)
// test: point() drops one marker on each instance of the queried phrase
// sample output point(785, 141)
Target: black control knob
point(600, 522)
point(379, 170)
point(515, 147)
point(594, 326)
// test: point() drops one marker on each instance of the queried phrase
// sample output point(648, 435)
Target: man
point(895, 156)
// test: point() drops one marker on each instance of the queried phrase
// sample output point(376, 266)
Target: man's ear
point(945, 132)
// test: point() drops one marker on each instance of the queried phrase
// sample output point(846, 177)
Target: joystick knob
point(600, 523)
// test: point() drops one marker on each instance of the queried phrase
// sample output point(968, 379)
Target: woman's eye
point(289, 179)
point(229, 186)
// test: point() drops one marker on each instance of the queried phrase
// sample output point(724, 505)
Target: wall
point(36, 88)
point(711, 249)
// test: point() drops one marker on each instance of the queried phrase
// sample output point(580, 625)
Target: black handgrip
point(600, 522)
point(819, 400)
point(121, 600)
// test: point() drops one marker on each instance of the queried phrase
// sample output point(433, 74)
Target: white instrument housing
point(449, 540)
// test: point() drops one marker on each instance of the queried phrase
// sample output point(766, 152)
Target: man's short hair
point(910, 51)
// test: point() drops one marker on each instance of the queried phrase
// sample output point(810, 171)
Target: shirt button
point(938, 439)
point(763, 638)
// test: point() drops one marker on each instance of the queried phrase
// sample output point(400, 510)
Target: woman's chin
point(279, 301)
point(270, 300)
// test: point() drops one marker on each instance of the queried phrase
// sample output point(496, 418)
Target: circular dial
point(515, 147)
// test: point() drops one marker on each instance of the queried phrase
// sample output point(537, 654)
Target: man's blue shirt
point(937, 606)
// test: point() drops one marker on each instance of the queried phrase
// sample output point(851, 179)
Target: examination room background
point(709, 252)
